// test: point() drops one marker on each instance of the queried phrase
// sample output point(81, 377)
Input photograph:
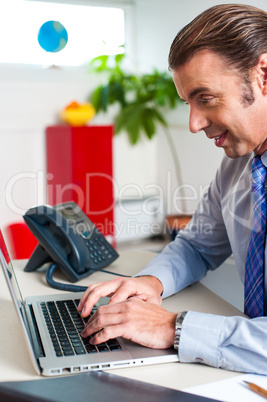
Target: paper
point(232, 389)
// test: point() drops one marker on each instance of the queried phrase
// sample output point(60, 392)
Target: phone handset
point(67, 237)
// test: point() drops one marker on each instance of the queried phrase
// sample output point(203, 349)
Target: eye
point(206, 100)
point(184, 102)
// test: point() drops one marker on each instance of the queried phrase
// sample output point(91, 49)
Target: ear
point(261, 72)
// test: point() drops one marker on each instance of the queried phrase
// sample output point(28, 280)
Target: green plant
point(142, 99)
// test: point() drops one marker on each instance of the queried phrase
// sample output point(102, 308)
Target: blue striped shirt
point(221, 226)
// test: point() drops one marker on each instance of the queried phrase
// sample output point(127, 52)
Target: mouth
point(219, 139)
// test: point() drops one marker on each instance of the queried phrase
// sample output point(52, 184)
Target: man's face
point(214, 93)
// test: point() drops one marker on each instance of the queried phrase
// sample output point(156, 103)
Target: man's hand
point(144, 323)
point(147, 288)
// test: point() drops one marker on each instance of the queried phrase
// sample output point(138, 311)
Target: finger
point(86, 294)
point(93, 295)
point(99, 322)
point(110, 315)
point(133, 287)
point(108, 309)
point(127, 289)
point(111, 332)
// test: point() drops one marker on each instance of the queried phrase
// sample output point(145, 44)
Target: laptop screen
point(6, 264)
point(8, 268)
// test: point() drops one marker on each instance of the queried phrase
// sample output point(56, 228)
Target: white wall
point(31, 99)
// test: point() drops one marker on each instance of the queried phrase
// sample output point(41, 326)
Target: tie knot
point(258, 174)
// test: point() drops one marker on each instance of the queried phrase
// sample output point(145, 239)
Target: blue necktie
point(255, 255)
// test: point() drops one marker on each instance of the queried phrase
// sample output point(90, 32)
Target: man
point(219, 64)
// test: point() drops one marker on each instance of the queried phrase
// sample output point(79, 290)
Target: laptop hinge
point(30, 322)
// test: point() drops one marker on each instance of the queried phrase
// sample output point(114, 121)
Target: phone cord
point(71, 288)
point(61, 286)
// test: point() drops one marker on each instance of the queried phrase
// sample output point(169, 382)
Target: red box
point(80, 169)
point(20, 240)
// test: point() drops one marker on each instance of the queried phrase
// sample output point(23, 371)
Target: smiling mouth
point(219, 140)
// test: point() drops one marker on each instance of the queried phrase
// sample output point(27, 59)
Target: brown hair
point(236, 32)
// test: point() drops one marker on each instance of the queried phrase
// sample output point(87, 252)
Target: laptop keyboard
point(65, 324)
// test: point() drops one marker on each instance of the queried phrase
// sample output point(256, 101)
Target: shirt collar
point(264, 158)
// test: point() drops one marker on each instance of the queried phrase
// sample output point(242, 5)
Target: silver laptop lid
point(8, 268)
point(12, 283)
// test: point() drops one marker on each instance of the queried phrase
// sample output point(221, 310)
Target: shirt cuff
point(200, 338)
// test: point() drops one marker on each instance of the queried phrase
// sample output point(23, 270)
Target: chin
point(236, 153)
point(231, 154)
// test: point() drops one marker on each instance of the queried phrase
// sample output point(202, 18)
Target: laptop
point(52, 327)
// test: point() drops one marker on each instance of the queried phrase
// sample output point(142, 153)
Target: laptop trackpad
point(138, 351)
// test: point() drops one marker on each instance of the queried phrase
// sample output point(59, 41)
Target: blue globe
point(52, 36)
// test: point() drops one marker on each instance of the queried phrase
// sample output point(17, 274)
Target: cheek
point(237, 122)
point(222, 118)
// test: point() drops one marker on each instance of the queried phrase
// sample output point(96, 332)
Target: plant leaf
point(130, 119)
point(99, 63)
point(117, 93)
point(118, 59)
point(158, 116)
point(95, 98)
point(104, 95)
point(142, 98)
point(148, 122)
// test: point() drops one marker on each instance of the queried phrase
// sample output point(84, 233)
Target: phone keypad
point(101, 252)
point(85, 234)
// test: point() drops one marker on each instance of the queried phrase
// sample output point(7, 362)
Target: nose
point(198, 121)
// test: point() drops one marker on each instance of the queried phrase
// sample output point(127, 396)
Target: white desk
point(15, 362)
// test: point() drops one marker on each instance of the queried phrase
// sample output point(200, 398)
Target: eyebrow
point(196, 91)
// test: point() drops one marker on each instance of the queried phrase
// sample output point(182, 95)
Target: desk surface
point(15, 361)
